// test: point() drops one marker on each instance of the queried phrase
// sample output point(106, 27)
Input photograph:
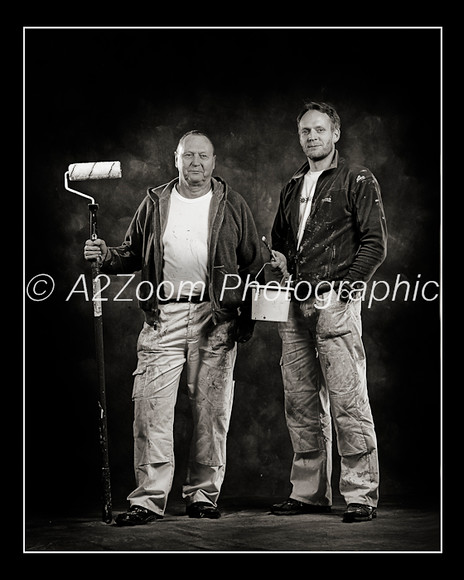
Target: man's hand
point(279, 263)
point(95, 250)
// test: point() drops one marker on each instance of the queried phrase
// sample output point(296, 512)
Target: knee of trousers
point(354, 425)
point(153, 430)
point(308, 425)
point(211, 425)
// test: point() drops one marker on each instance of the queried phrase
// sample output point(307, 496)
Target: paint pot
point(270, 302)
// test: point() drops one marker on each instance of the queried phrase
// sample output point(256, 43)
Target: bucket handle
point(262, 268)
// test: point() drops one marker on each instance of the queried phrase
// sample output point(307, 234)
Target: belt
point(193, 299)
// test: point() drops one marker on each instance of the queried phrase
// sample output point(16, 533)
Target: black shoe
point(357, 512)
point(293, 507)
point(202, 509)
point(136, 515)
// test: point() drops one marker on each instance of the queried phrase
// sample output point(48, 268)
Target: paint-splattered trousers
point(184, 337)
point(324, 375)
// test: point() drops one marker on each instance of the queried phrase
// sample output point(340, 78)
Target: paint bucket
point(271, 301)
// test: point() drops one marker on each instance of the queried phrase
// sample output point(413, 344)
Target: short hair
point(193, 132)
point(326, 108)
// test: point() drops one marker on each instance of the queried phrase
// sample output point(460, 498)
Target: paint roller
point(95, 170)
point(85, 172)
point(91, 171)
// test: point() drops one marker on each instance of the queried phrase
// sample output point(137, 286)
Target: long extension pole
point(83, 172)
point(107, 515)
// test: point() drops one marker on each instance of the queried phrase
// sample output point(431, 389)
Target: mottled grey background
point(129, 95)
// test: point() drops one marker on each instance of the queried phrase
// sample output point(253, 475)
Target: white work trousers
point(184, 336)
point(324, 376)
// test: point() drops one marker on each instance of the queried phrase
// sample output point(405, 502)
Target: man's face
point(317, 138)
point(195, 160)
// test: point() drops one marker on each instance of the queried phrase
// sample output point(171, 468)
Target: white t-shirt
point(306, 200)
point(185, 243)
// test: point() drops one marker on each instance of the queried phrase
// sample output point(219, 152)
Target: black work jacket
point(345, 236)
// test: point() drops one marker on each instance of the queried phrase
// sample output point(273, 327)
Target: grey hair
point(196, 133)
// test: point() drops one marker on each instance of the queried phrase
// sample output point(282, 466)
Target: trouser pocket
point(154, 395)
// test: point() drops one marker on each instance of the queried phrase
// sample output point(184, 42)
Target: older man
point(186, 237)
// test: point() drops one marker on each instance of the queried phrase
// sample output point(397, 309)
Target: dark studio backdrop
point(128, 95)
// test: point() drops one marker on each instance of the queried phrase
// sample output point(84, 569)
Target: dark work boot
point(136, 515)
point(357, 512)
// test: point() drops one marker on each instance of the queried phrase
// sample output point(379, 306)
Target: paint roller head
point(94, 170)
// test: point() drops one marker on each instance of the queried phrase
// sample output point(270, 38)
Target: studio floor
point(246, 526)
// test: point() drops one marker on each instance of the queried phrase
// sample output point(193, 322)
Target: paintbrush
point(268, 246)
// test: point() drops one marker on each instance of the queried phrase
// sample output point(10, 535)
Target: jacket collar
point(305, 167)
